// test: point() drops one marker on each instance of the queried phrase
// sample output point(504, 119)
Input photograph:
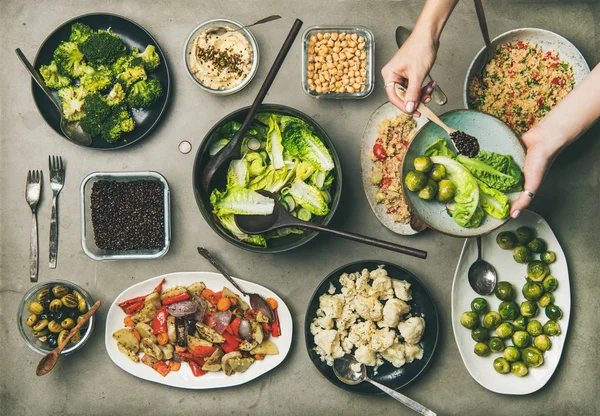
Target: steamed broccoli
point(119, 122)
point(103, 48)
point(80, 32)
point(131, 75)
point(72, 99)
point(96, 79)
point(116, 94)
point(150, 58)
point(144, 93)
point(96, 111)
point(69, 59)
point(52, 78)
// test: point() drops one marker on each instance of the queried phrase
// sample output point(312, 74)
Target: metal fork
point(57, 180)
point(32, 195)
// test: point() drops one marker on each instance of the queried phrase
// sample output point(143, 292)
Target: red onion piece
point(202, 307)
point(222, 319)
point(183, 308)
point(245, 330)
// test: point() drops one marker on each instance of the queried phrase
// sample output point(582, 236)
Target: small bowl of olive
point(49, 311)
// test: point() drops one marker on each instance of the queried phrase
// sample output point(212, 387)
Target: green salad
point(280, 154)
point(470, 187)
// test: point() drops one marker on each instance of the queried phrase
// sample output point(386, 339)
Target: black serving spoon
point(281, 218)
point(232, 149)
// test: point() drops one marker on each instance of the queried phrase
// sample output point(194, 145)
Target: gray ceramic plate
point(385, 111)
point(546, 39)
point(493, 135)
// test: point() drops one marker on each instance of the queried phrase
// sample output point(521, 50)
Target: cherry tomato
point(379, 152)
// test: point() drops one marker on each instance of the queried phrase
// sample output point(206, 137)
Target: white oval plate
point(385, 111)
point(184, 377)
point(481, 368)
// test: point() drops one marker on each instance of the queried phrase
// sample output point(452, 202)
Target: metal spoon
point(47, 363)
point(482, 275)
point(351, 372)
point(222, 30)
point(281, 218)
point(488, 53)
point(71, 130)
point(256, 301)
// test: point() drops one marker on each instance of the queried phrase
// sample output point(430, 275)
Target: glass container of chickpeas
point(338, 61)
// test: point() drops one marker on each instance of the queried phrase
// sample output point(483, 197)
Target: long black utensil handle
point(206, 254)
point(367, 240)
point(483, 24)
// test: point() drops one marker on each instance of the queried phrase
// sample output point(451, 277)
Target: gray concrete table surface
point(89, 383)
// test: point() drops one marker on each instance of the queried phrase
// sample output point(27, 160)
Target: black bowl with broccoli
point(109, 74)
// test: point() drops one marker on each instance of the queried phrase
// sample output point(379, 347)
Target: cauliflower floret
point(412, 329)
point(361, 333)
point(382, 339)
point(380, 271)
point(348, 317)
point(393, 310)
point(362, 283)
point(368, 308)
point(412, 352)
point(381, 287)
point(320, 323)
point(366, 356)
point(395, 355)
point(331, 289)
point(347, 345)
point(328, 341)
point(348, 285)
point(332, 305)
point(402, 289)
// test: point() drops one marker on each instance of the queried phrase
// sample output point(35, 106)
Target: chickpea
point(361, 39)
point(329, 58)
point(336, 49)
point(350, 73)
point(363, 55)
point(338, 43)
point(317, 82)
point(363, 72)
point(352, 44)
point(344, 44)
point(333, 71)
point(348, 55)
point(345, 81)
point(356, 85)
point(313, 38)
point(317, 65)
point(363, 64)
point(311, 58)
point(358, 53)
point(310, 67)
point(334, 35)
point(350, 90)
point(319, 90)
point(361, 46)
point(336, 57)
point(310, 74)
point(327, 35)
point(320, 36)
point(330, 43)
point(354, 36)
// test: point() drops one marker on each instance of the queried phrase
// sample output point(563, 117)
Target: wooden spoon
point(49, 361)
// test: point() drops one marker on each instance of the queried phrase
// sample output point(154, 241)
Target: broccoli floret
point(52, 78)
point(72, 99)
point(131, 75)
point(80, 32)
point(116, 94)
point(69, 59)
point(103, 48)
point(119, 122)
point(144, 93)
point(96, 111)
point(150, 58)
point(96, 79)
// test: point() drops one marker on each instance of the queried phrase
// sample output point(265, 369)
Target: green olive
point(76, 338)
point(40, 325)
point(481, 349)
point(70, 301)
point(62, 336)
point(554, 312)
point(537, 245)
point(60, 291)
point(81, 303)
point(521, 254)
point(507, 240)
point(501, 365)
point(548, 257)
point(67, 323)
point(39, 334)
point(423, 164)
point(546, 299)
point(519, 369)
point(43, 295)
point(415, 180)
point(55, 327)
point(55, 305)
point(512, 354)
point(35, 307)
point(550, 284)
point(446, 190)
point(534, 328)
point(525, 234)
point(438, 172)
point(31, 319)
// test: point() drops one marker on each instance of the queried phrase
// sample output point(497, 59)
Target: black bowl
point(134, 36)
point(276, 245)
point(421, 305)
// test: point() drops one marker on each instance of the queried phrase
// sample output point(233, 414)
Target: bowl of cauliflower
point(378, 312)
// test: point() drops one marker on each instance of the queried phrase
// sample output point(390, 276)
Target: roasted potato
point(194, 342)
point(247, 345)
point(267, 347)
point(240, 365)
point(167, 351)
point(208, 333)
point(146, 314)
point(133, 356)
point(125, 337)
point(213, 363)
point(261, 317)
point(228, 293)
point(196, 288)
point(145, 331)
point(154, 299)
point(257, 332)
point(226, 359)
point(171, 329)
point(150, 348)
point(149, 360)
point(172, 292)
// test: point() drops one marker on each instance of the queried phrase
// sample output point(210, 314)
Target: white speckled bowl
point(493, 135)
point(546, 39)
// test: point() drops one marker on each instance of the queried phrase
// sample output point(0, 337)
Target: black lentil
point(465, 144)
point(128, 215)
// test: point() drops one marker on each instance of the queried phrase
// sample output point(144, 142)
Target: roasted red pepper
point(187, 357)
point(162, 368)
point(134, 307)
point(204, 351)
point(176, 298)
point(230, 344)
point(215, 297)
point(235, 326)
point(159, 323)
point(275, 327)
point(137, 301)
point(196, 370)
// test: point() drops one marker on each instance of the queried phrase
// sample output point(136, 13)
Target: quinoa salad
point(394, 136)
point(521, 84)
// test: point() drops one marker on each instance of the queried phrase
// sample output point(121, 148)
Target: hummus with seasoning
point(220, 62)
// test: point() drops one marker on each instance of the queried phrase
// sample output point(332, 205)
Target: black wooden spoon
point(281, 218)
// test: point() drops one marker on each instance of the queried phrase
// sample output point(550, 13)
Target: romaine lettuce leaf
point(497, 171)
point(494, 202)
point(299, 139)
point(318, 178)
point(309, 197)
point(274, 146)
point(240, 201)
point(228, 222)
point(439, 148)
point(238, 174)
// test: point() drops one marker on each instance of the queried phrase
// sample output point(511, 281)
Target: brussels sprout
point(508, 310)
point(480, 335)
point(529, 309)
point(519, 369)
point(469, 320)
point(491, 320)
point(429, 191)
point(537, 271)
point(548, 257)
point(504, 330)
point(525, 234)
point(550, 284)
point(546, 299)
point(438, 172)
point(512, 354)
point(542, 342)
point(480, 306)
point(554, 312)
point(496, 344)
point(520, 324)
point(505, 291)
point(415, 180)
point(521, 254)
point(507, 240)
point(501, 365)
point(521, 339)
point(446, 190)
point(534, 328)
point(532, 291)
point(537, 245)
point(481, 349)
point(423, 164)
point(532, 357)
point(552, 328)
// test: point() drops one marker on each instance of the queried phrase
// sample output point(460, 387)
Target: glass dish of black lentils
point(125, 215)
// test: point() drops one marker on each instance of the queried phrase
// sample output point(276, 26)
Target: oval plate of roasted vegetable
point(192, 330)
point(109, 74)
point(511, 341)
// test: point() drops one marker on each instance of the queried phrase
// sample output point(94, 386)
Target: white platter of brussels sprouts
point(511, 341)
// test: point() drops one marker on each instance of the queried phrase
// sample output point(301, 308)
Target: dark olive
point(52, 342)
point(72, 313)
point(43, 316)
point(60, 315)
point(46, 304)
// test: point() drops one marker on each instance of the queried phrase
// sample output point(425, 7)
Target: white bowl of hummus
point(221, 63)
